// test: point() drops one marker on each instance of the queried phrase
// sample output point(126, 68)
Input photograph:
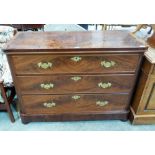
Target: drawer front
point(60, 84)
point(68, 104)
point(51, 64)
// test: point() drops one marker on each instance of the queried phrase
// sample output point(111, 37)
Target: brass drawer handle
point(102, 103)
point(76, 59)
point(104, 85)
point(44, 65)
point(49, 105)
point(76, 78)
point(108, 64)
point(76, 97)
point(47, 86)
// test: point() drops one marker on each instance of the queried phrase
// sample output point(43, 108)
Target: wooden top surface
point(150, 55)
point(74, 40)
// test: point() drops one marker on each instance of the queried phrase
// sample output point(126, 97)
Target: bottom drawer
point(74, 104)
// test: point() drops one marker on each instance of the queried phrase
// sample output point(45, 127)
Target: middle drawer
point(63, 84)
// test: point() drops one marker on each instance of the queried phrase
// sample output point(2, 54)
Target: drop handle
point(45, 65)
point(102, 103)
point(105, 85)
point(49, 104)
point(47, 86)
point(108, 64)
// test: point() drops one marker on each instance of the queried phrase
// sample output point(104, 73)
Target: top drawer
point(55, 64)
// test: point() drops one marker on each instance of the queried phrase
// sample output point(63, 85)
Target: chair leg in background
point(7, 104)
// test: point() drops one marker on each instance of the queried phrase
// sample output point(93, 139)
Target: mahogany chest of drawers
point(67, 76)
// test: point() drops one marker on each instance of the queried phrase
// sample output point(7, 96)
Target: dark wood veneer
point(89, 40)
point(87, 84)
point(27, 64)
point(65, 104)
point(27, 49)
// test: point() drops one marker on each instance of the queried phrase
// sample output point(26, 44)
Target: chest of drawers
point(67, 76)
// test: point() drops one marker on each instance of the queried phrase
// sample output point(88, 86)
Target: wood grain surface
point(28, 64)
point(143, 105)
point(34, 104)
point(86, 84)
point(75, 40)
point(61, 76)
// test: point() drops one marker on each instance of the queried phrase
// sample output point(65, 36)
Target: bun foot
point(124, 120)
